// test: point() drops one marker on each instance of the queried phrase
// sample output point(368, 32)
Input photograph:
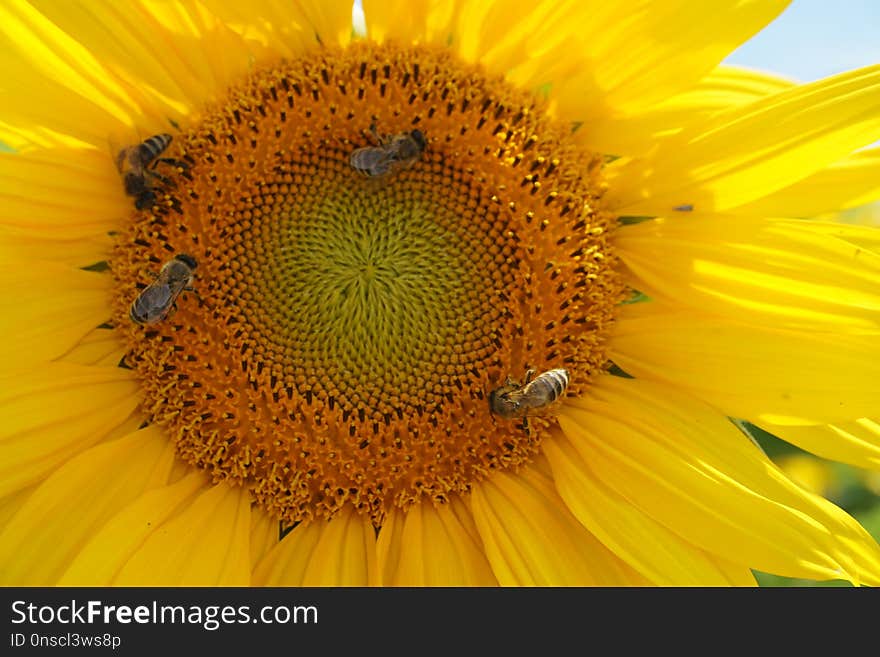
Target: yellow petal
point(32, 245)
point(168, 59)
point(49, 70)
point(331, 20)
point(636, 53)
point(686, 465)
point(779, 273)
point(433, 546)
point(341, 552)
point(507, 34)
point(47, 309)
point(637, 134)
point(280, 26)
point(749, 371)
point(37, 191)
point(856, 442)
point(50, 528)
point(726, 86)
point(152, 63)
point(53, 412)
point(108, 550)
point(10, 504)
point(865, 236)
point(659, 554)
point(102, 347)
point(205, 544)
point(21, 139)
point(752, 150)
point(532, 539)
point(847, 183)
point(416, 22)
point(265, 532)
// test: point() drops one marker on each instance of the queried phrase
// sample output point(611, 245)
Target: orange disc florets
point(347, 329)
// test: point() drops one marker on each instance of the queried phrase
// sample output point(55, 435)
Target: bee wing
point(385, 163)
point(377, 160)
point(119, 148)
point(157, 296)
point(358, 153)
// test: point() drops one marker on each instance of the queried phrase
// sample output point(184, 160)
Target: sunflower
point(570, 203)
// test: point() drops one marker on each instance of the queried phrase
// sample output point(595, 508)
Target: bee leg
point(380, 140)
point(146, 273)
point(525, 426)
point(145, 200)
point(172, 162)
point(530, 373)
point(158, 176)
point(134, 184)
point(196, 294)
point(375, 133)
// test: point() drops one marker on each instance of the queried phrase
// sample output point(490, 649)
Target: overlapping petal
point(38, 327)
point(265, 534)
point(423, 22)
point(532, 539)
point(46, 69)
point(637, 134)
point(37, 191)
point(206, 543)
point(752, 150)
point(114, 67)
point(341, 552)
point(39, 542)
point(747, 371)
point(105, 555)
point(53, 412)
point(101, 347)
point(778, 273)
point(687, 467)
point(658, 553)
point(636, 53)
point(433, 546)
point(850, 182)
point(856, 442)
point(288, 28)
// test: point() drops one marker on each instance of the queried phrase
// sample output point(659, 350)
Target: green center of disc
point(371, 289)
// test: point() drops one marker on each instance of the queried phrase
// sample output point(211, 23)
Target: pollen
point(344, 332)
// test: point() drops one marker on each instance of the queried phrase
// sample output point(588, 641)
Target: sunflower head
point(470, 298)
point(349, 329)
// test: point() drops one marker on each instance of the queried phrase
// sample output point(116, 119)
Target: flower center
point(345, 331)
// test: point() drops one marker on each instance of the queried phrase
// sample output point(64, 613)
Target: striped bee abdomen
point(545, 388)
point(153, 147)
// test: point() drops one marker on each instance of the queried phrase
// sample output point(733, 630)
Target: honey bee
point(134, 163)
point(392, 152)
point(157, 299)
point(515, 399)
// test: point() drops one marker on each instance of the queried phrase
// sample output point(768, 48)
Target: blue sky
point(816, 38)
